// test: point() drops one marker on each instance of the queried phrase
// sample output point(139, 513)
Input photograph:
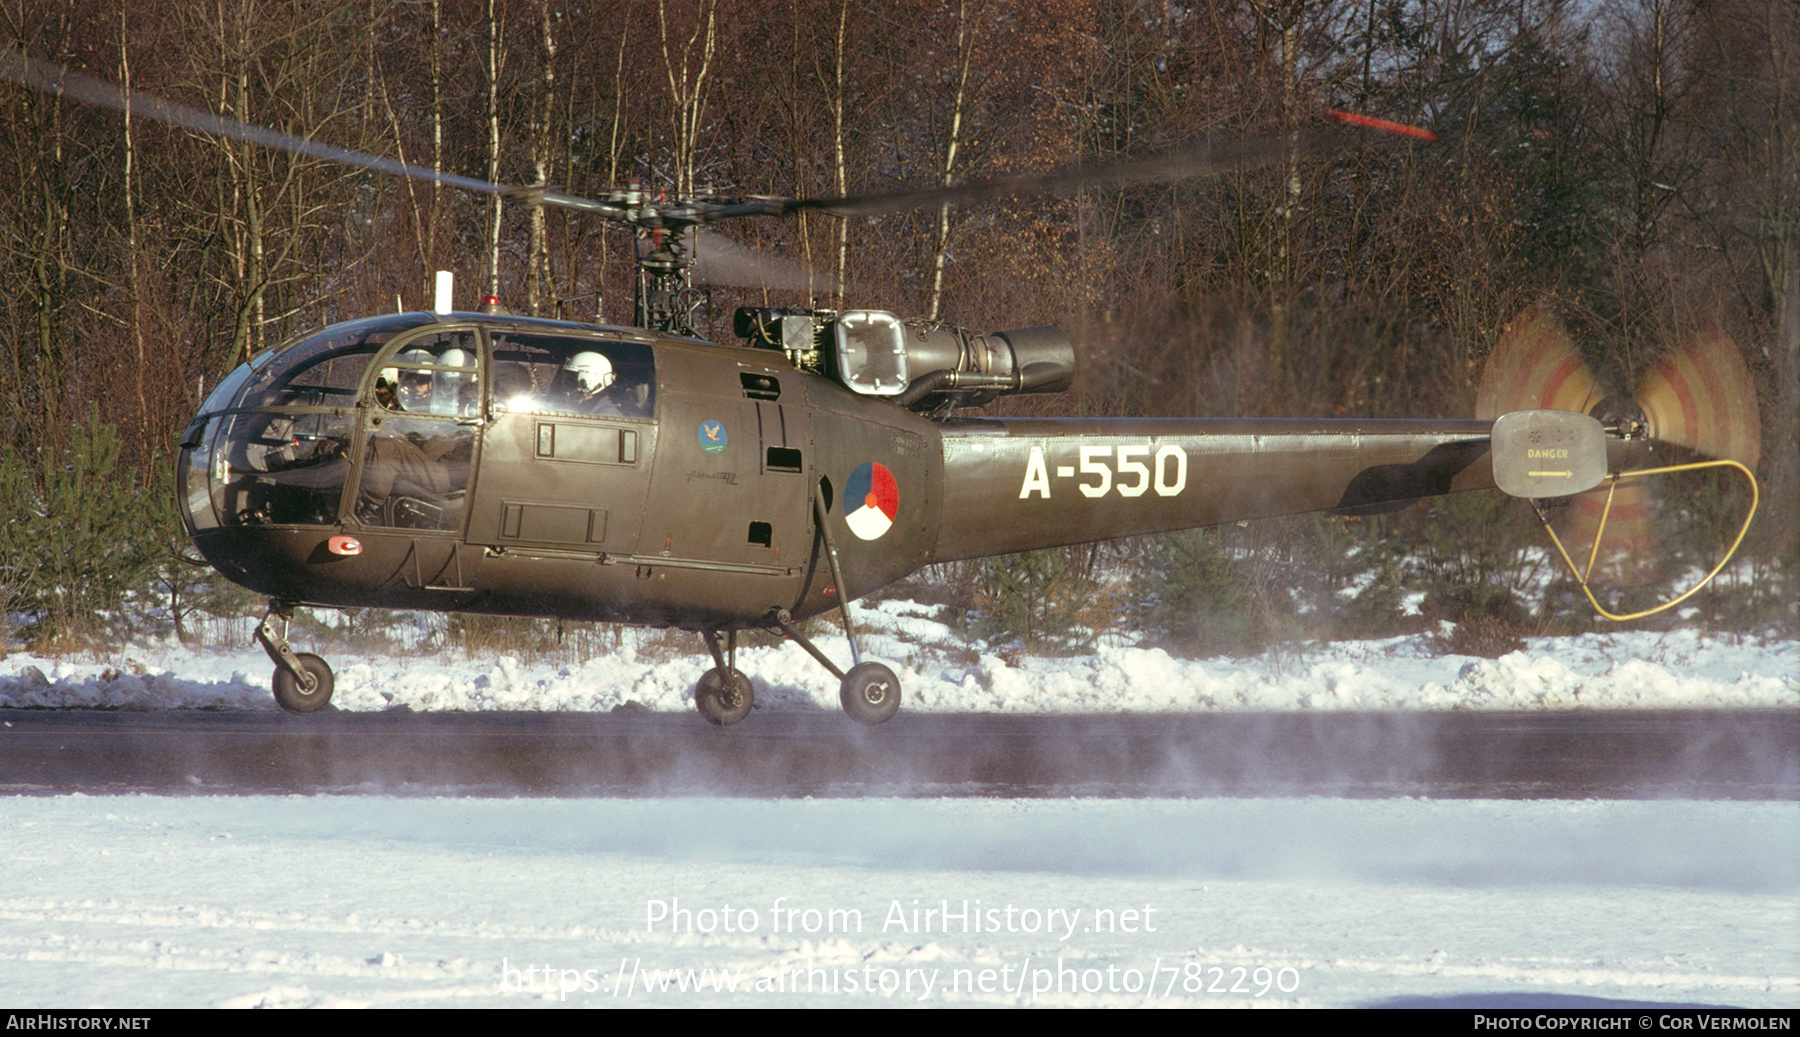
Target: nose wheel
point(292, 695)
point(303, 682)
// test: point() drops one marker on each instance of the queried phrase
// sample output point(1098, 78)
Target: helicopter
point(479, 462)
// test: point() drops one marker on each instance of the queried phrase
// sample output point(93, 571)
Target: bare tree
point(688, 69)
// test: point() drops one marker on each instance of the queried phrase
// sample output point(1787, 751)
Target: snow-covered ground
point(327, 901)
point(1595, 671)
point(149, 901)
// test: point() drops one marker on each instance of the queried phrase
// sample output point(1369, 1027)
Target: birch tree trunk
point(133, 270)
point(543, 143)
point(688, 72)
point(965, 48)
point(495, 207)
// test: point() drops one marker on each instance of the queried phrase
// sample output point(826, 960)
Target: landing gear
point(302, 682)
point(724, 695)
point(292, 696)
point(870, 693)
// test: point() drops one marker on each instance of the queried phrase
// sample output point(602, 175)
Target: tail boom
point(1018, 485)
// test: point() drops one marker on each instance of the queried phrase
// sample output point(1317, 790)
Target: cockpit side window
point(436, 375)
point(338, 375)
point(273, 441)
point(419, 448)
point(551, 374)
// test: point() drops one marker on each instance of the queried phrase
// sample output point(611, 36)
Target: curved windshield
point(273, 442)
point(327, 368)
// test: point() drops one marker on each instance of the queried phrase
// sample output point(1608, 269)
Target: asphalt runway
point(1697, 754)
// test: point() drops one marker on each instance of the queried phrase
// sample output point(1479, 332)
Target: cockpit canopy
point(375, 422)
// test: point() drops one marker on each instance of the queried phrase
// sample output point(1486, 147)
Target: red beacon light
point(344, 546)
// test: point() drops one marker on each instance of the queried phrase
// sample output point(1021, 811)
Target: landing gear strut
point(870, 692)
point(724, 695)
point(302, 681)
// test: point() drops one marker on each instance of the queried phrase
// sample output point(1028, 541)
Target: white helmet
point(448, 392)
point(414, 389)
point(593, 372)
point(417, 384)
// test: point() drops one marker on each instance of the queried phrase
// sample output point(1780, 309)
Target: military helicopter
point(474, 461)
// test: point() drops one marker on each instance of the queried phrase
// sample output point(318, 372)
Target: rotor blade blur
point(52, 78)
point(548, 196)
point(721, 261)
point(1205, 160)
point(1702, 397)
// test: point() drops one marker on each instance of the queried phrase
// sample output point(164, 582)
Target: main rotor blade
point(718, 260)
point(1205, 160)
point(52, 78)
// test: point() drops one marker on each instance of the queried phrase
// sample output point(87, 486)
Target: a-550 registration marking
point(1130, 471)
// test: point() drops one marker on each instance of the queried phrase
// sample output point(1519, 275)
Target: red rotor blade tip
point(1353, 119)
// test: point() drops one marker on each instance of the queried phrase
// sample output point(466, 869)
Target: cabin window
point(273, 443)
point(436, 375)
point(280, 468)
point(323, 371)
point(554, 374)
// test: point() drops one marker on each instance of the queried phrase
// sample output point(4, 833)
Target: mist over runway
point(1614, 754)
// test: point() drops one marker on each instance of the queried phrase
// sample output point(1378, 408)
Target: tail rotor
point(1699, 398)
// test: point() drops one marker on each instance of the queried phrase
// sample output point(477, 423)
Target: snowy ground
point(145, 901)
point(1596, 671)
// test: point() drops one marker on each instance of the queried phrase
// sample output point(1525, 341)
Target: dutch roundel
point(871, 500)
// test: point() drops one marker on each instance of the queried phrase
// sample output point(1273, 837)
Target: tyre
point(289, 695)
point(870, 694)
point(724, 697)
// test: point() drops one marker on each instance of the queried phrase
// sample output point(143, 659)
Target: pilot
point(413, 458)
point(408, 390)
point(593, 378)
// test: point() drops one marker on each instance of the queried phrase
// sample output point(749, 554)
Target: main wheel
point(289, 695)
point(724, 697)
point(870, 694)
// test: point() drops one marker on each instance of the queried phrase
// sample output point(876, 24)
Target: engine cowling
point(879, 354)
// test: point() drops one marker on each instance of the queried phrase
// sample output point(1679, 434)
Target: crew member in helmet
point(417, 464)
point(408, 390)
point(593, 378)
point(455, 393)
